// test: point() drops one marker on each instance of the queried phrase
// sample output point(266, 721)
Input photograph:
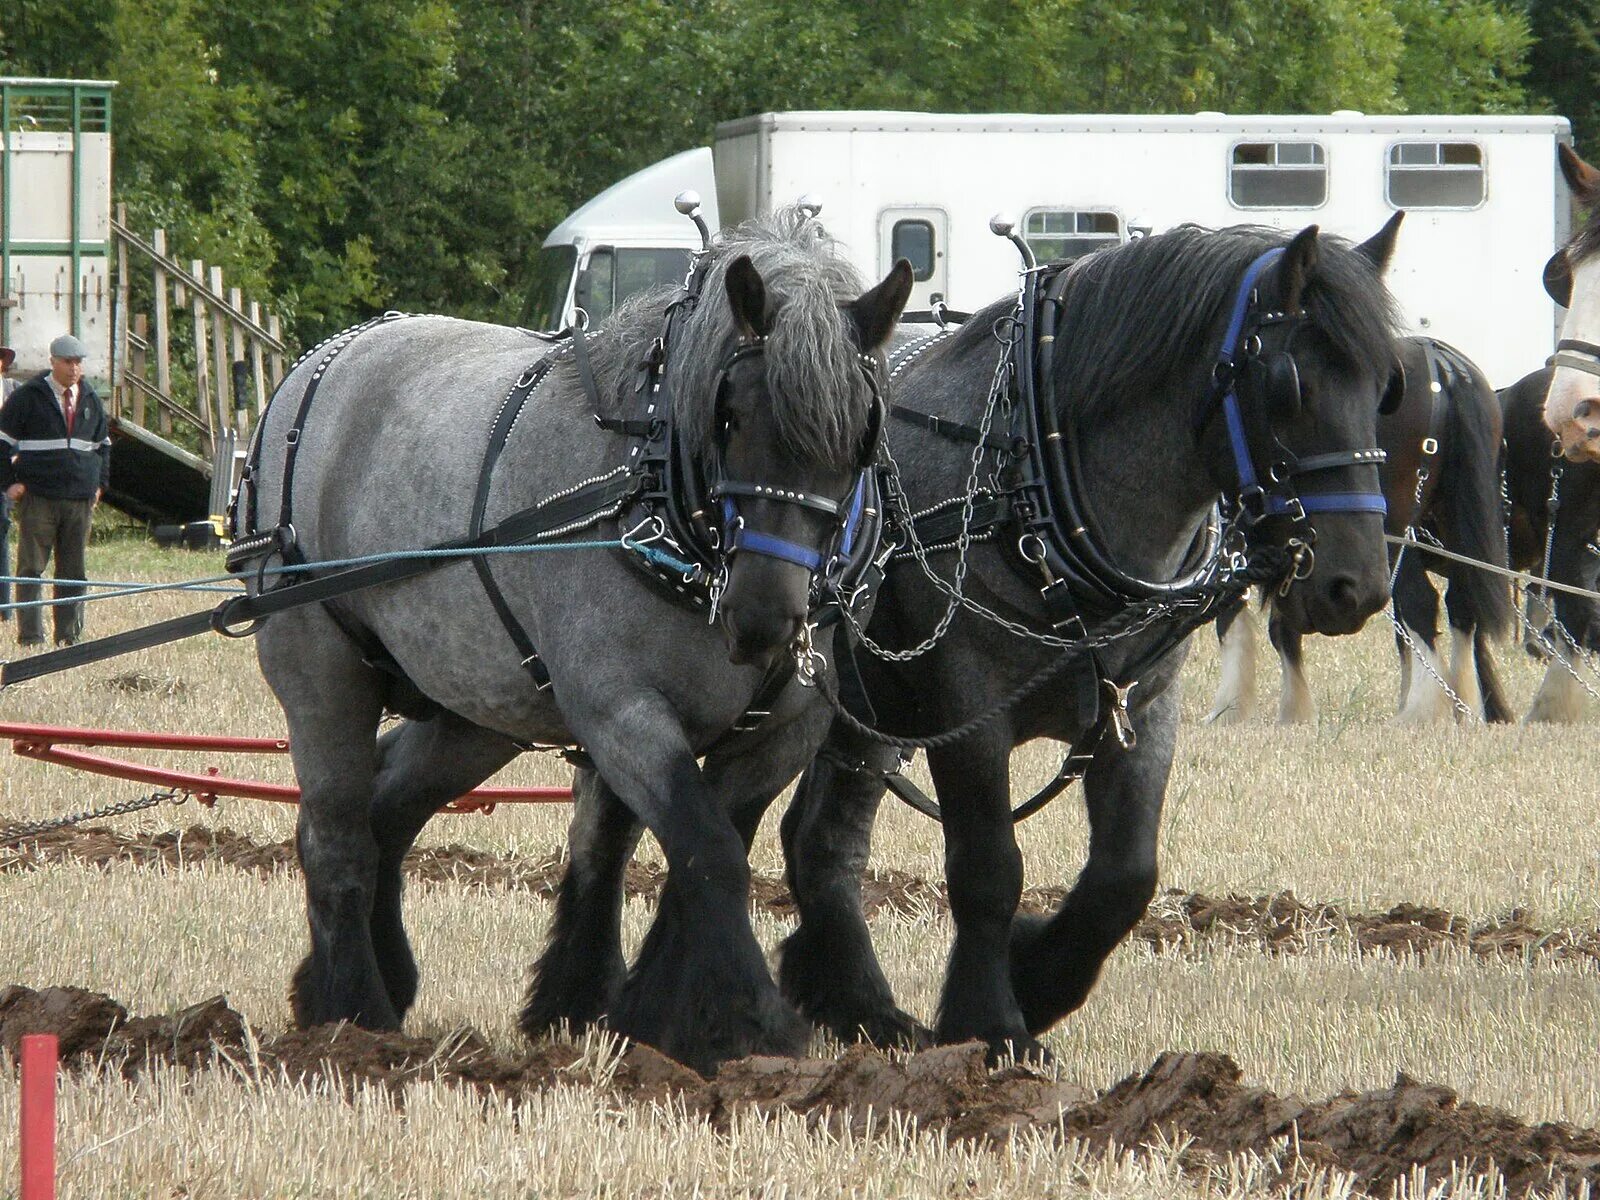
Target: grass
point(1477, 820)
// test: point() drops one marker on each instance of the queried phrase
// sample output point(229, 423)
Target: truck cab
point(626, 240)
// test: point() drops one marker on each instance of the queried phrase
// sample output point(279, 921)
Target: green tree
point(1462, 56)
point(1564, 63)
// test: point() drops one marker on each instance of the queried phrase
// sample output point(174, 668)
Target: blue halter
point(1276, 497)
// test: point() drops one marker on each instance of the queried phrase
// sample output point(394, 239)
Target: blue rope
point(205, 582)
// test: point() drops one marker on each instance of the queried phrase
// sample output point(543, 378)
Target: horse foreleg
point(1235, 701)
point(700, 990)
point(827, 967)
point(332, 701)
point(1056, 960)
point(1296, 706)
point(422, 766)
point(1416, 607)
point(580, 974)
point(983, 868)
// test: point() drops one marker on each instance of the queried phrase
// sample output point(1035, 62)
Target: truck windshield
point(613, 275)
point(552, 282)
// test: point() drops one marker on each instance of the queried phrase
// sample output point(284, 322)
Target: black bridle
point(1271, 386)
point(736, 533)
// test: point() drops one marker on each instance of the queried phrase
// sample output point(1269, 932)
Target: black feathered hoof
point(700, 991)
point(571, 988)
point(310, 1004)
point(1024, 1050)
point(837, 985)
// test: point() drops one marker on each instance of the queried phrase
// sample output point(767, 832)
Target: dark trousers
point(49, 528)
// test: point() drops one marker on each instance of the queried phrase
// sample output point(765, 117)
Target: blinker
point(1558, 278)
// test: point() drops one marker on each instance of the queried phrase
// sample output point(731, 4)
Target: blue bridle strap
point(1274, 503)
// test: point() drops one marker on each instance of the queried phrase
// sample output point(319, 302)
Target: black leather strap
point(956, 430)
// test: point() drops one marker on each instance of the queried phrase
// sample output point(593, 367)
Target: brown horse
point(1442, 478)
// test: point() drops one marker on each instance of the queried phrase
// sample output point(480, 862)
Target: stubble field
point(1493, 992)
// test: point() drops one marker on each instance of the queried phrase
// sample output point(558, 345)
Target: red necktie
point(66, 401)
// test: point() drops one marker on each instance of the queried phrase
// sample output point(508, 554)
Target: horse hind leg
point(332, 701)
point(1496, 709)
point(1560, 698)
point(422, 766)
point(581, 972)
point(827, 967)
point(1235, 701)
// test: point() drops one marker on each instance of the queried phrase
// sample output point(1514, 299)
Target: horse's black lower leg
point(1056, 960)
point(983, 868)
point(1295, 703)
point(827, 966)
point(580, 974)
point(422, 766)
point(1496, 709)
point(332, 701)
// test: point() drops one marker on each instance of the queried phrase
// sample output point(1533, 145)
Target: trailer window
point(615, 274)
point(1063, 234)
point(1435, 175)
point(1278, 175)
point(547, 294)
point(913, 240)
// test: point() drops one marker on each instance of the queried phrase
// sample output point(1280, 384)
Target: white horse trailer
point(55, 219)
point(1484, 201)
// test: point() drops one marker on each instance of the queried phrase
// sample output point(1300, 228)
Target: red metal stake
point(39, 1055)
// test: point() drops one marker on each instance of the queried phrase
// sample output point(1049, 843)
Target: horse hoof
point(1022, 1051)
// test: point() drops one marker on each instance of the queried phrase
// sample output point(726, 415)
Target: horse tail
point(1471, 518)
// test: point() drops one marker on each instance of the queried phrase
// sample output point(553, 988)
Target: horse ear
point(876, 312)
point(747, 296)
point(1583, 179)
point(1379, 248)
point(1299, 260)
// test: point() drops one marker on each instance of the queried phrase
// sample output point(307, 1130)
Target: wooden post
point(257, 365)
point(221, 376)
point(202, 360)
point(119, 358)
point(138, 364)
point(163, 332)
point(275, 328)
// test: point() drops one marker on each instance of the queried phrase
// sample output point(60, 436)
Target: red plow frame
point(49, 743)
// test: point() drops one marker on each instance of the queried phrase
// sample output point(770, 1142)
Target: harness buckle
point(1430, 446)
point(1121, 721)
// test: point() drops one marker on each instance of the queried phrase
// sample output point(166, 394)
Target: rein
point(1045, 509)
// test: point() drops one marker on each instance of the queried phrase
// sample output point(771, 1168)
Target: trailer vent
point(1278, 175)
point(1434, 175)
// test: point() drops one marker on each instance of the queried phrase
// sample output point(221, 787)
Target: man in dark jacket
point(56, 429)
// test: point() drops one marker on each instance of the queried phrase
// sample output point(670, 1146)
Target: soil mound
point(1377, 1137)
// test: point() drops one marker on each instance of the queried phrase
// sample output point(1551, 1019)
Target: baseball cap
point(67, 346)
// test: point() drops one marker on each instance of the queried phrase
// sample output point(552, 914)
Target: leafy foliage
point(341, 157)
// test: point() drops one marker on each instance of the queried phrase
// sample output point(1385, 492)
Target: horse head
point(1313, 366)
point(1572, 277)
point(797, 414)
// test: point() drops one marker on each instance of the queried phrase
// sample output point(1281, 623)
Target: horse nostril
point(1345, 591)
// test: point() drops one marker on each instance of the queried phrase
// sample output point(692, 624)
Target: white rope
point(1524, 576)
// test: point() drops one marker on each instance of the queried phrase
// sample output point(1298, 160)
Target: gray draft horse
point(389, 458)
point(1138, 340)
point(1136, 348)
